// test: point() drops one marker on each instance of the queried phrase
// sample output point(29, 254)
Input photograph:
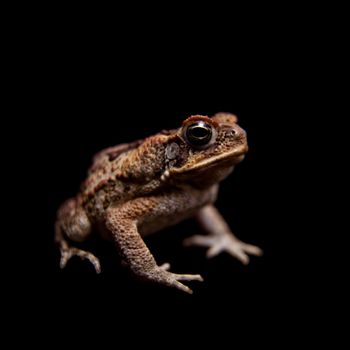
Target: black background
point(85, 93)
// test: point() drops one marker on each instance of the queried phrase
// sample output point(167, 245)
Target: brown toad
point(138, 188)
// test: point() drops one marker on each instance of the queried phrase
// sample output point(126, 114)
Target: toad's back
point(121, 173)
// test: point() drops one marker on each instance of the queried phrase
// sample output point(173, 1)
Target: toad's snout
point(237, 137)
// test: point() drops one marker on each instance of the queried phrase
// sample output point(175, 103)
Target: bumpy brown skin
point(139, 188)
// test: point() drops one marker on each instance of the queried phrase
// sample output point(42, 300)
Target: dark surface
point(79, 82)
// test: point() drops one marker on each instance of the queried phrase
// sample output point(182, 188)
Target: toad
point(138, 188)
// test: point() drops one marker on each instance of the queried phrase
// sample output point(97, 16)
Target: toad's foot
point(227, 243)
point(69, 252)
point(160, 275)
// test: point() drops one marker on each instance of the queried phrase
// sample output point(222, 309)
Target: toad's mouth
point(229, 158)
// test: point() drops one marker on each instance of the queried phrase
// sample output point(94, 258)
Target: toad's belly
point(188, 208)
point(164, 221)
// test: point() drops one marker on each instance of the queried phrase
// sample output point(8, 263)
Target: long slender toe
point(67, 254)
point(189, 277)
point(165, 266)
point(182, 287)
point(252, 249)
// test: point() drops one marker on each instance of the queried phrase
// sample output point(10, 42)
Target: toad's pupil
point(199, 134)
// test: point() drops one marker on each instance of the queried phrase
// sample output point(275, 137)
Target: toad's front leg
point(220, 238)
point(123, 222)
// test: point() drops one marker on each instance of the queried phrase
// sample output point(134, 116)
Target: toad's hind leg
point(73, 223)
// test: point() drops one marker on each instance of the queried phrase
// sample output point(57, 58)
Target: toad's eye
point(199, 134)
